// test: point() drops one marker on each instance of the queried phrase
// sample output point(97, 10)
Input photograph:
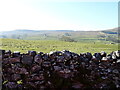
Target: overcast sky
point(58, 15)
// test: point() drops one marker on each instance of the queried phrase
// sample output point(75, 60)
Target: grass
point(53, 45)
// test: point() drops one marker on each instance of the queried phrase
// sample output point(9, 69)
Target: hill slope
point(57, 34)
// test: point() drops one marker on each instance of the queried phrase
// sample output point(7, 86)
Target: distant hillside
point(112, 31)
point(58, 34)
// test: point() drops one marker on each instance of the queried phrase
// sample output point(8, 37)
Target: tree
point(67, 39)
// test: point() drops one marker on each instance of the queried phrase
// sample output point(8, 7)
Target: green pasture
point(54, 45)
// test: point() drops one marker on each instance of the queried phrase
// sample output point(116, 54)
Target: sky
point(58, 14)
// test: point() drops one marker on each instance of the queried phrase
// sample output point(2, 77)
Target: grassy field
point(50, 45)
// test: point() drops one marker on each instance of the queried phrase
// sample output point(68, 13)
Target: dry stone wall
point(60, 69)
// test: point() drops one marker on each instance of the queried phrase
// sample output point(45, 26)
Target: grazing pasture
point(54, 45)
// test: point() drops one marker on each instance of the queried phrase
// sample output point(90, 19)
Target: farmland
point(57, 40)
point(54, 45)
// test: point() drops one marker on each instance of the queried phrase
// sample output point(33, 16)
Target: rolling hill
point(58, 34)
